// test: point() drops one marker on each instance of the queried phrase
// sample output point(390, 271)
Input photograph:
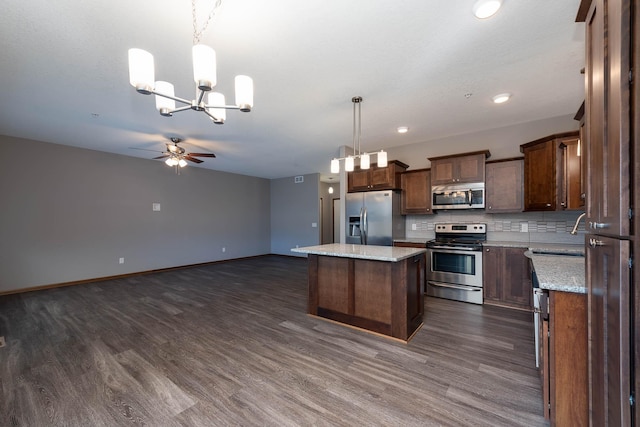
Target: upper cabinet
point(375, 178)
point(504, 186)
point(461, 168)
point(552, 171)
point(416, 192)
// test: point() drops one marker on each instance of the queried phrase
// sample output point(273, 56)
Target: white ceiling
point(64, 74)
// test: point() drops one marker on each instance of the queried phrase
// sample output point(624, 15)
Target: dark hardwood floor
point(231, 344)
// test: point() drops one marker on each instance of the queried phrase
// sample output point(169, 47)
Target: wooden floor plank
point(231, 344)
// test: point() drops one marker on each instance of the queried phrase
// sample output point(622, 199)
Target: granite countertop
point(376, 253)
point(540, 248)
point(564, 273)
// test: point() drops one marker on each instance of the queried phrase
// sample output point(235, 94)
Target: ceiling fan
point(177, 156)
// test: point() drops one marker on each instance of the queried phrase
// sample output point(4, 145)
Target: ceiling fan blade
point(192, 159)
point(201, 154)
point(161, 157)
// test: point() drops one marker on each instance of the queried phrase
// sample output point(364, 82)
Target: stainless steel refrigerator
point(373, 218)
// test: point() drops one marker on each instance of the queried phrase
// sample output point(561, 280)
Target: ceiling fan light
point(382, 159)
point(365, 161)
point(171, 161)
point(204, 67)
point(141, 70)
point(182, 163)
point(335, 166)
point(217, 99)
point(244, 93)
point(165, 105)
point(348, 164)
point(483, 9)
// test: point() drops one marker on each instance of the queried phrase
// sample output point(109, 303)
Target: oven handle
point(453, 248)
point(462, 288)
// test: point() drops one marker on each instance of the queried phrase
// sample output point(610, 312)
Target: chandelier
point(142, 77)
point(365, 158)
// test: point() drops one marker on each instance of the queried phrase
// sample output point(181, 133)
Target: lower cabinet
point(563, 353)
point(506, 276)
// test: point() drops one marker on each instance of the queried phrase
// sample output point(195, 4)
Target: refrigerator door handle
point(362, 226)
point(366, 227)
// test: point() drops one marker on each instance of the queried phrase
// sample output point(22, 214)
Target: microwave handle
point(469, 197)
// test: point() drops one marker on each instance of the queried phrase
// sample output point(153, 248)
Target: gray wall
point(69, 214)
point(294, 208)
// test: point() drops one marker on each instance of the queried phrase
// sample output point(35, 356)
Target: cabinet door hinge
point(631, 76)
point(630, 262)
point(632, 400)
point(630, 213)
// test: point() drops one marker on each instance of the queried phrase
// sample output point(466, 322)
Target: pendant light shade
point(335, 166)
point(382, 159)
point(141, 70)
point(244, 92)
point(204, 67)
point(217, 99)
point(165, 105)
point(348, 164)
point(365, 161)
point(182, 163)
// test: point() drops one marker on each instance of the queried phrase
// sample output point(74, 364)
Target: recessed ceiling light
point(486, 8)
point(403, 129)
point(501, 98)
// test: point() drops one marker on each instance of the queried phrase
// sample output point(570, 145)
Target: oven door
point(455, 274)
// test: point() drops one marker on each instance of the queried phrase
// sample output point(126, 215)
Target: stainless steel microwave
point(458, 196)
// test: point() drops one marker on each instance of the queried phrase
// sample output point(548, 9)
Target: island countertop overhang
point(370, 252)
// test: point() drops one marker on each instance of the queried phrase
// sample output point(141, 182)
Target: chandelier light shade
point(141, 70)
point(204, 67)
point(219, 114)
point(365, 158)
point(164, 105)
point(142, 77)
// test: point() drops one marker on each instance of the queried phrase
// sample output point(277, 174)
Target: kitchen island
point(376, 288)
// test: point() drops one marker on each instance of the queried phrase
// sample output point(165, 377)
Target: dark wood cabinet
point(609, 283)
point(379, 296)
point(610, 139)
point(563, 357)
point(552, 170)
point(461, 168)
point(376, 178)
point(506, 276)
point(504, 186)
point(416, 192)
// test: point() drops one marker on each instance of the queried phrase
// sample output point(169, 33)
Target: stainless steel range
point(454, 262)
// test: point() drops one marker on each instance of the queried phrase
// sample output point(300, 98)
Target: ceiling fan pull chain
point(197, 34)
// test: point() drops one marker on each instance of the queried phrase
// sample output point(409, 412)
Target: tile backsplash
point(528, 227)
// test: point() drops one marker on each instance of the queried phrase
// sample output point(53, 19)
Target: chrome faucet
point(575, 227)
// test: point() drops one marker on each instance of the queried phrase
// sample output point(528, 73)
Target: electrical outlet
point(121, 260)
point(224, 249)
point(414, 227)
point(156, 207)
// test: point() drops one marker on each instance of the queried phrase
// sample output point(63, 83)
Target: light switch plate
point(314, 224)
point(156, 207)
point(414, 227)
